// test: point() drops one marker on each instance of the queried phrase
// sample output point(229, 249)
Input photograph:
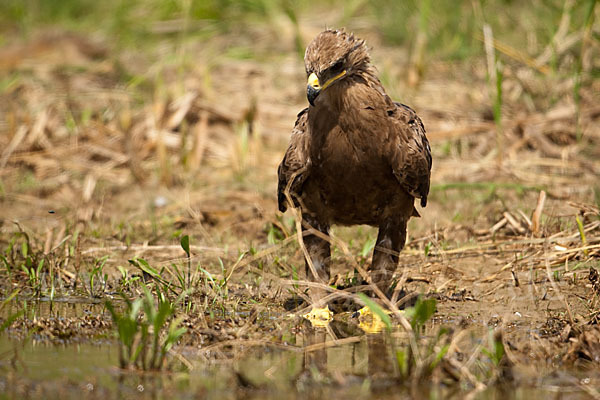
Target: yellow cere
point(313, 81)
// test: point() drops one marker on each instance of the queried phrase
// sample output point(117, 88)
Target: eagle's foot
point(319, 317)
point(370, 322)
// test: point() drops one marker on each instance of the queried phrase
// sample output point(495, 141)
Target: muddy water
point(88, 371)
point(313, 366)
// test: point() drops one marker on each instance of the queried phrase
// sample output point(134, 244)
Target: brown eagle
point(355, 156)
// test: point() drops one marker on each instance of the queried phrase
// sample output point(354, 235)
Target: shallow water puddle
point(87, 370)
point(339, 360)
point(42, 361)
point(354, 370)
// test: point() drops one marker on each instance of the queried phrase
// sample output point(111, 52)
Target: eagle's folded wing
point(410, 153)
point(294, 167)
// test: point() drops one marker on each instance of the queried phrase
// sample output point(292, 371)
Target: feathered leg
point(390, 241)
point(318, 249)
point(320, 255)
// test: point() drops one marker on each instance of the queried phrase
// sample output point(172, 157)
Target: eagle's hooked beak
point(313, 88)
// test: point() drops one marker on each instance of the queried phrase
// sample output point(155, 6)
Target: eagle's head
point(332, 56)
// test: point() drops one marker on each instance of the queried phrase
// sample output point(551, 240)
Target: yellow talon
point(319, 317)
point(370, 322)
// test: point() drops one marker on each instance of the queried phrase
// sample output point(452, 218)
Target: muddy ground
point(119, 156)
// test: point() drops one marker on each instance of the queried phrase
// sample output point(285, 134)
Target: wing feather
point(294, 166)
point(411, 154)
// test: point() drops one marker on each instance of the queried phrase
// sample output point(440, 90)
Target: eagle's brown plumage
point(355, 156)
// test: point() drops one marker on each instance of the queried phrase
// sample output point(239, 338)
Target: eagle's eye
point(337, 68)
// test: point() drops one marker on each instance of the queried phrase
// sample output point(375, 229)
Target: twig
point(182, 359)
point(298, 219)
point(537, 213)
point(333, 343)
point(143, 248)
point(12, 146)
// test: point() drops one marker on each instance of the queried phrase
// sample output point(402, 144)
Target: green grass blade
point(185, 244)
